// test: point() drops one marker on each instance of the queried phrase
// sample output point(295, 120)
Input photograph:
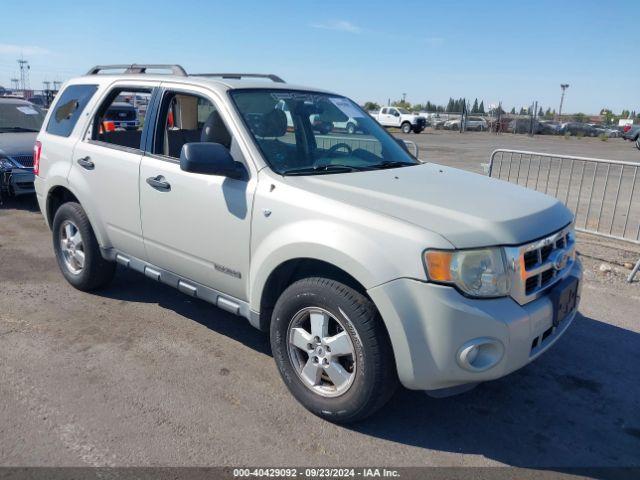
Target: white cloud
point(341, 25)
point(9, 49)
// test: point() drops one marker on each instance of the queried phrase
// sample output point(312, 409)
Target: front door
point(195, 225)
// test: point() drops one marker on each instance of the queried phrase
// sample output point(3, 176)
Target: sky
point(515, 52)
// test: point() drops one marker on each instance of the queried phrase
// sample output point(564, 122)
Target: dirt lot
point(140, 374)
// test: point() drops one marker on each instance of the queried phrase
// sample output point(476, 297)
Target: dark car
point(577, 128)
point(20, 122)
point(123, 115)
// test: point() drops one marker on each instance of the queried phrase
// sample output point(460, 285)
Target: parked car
point(401, 118)
point(577, 128)
point(609, 132)
point(367, 267)
point(123, 115)
point(321, 126)
point(472, 123)
point(547, 127)
point(20, 122)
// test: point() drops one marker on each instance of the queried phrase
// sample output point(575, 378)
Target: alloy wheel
point(72, 247)
point(321, 352)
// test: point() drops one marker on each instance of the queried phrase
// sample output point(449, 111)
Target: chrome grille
point(538, 265)
point(24, 160)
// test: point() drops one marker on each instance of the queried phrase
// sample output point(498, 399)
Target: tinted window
point(68, 109)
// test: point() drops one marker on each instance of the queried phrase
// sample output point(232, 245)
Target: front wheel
point(77, 250)
point(351, 128)
point(406, 127)
point(332, 350)
point(638, 143)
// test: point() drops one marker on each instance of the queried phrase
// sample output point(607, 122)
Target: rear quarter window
point(68, 109)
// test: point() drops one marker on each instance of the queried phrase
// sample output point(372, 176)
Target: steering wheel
point(337, 147)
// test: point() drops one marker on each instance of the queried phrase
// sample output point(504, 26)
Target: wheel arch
point(57, 196)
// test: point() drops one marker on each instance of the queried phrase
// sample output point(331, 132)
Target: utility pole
point(56, 85)
point(404, 97)
point(563, 86)
point(15, 83)
point(46, 84)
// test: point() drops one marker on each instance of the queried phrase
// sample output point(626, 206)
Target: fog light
point(480, 354)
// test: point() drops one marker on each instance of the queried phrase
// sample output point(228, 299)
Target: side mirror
point(210, 159)
point(396, 113)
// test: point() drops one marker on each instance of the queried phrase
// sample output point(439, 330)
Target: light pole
point(563, 86)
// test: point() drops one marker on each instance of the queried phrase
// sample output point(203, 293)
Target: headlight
point(6, 164)
point(477, 273)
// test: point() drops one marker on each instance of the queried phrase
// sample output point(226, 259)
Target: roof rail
point(139, 68)
point(239, 76)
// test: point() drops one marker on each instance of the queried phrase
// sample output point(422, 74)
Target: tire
point(638, 143)
point(368, 377)
point(93, 272)
point(417, 130)
point(351, 128)
point(406, 127)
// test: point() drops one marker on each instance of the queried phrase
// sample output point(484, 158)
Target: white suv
point(366, 266)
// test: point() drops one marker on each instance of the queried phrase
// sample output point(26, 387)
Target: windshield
point(20, 117)
point(308, 133)
point(403, 111)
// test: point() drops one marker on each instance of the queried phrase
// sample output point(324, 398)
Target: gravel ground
point(140, 374)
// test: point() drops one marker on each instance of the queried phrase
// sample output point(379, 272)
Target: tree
point(523, 111)
point(450, 105)
point(481, 107)
point(547, 114)
point(540, 113)
point(513, 111)
point(402, 104)
point(580, 117)
point(371, 106)
point(474, 108)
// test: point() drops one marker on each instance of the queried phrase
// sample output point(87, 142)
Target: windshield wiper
point(391, 164)
point(320, 169)
point(17, 129)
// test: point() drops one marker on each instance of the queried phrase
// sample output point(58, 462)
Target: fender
point(346, 247)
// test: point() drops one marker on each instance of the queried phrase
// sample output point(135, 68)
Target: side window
point(187, 118)
point(384, 110)
point(68, 109)
point(120, 118)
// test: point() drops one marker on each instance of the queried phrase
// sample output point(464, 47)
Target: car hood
point(467, 209)
point(17, 143)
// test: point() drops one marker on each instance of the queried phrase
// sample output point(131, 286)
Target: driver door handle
point(86, 163)
point(159, 183)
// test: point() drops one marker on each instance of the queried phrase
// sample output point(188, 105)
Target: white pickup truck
point(401, 118)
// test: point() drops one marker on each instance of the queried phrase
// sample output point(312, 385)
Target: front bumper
point(18, 181)
point(429, 324)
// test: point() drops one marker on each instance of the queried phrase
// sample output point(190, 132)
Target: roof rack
point(139, 68)
point(239, 76)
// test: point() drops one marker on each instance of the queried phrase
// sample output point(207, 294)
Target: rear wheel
point(351, 128)
point(638, 143)
point(406, 127)
point(332, 350)
point(77, 250)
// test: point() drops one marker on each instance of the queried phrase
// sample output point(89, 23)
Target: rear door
point(105, 170)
